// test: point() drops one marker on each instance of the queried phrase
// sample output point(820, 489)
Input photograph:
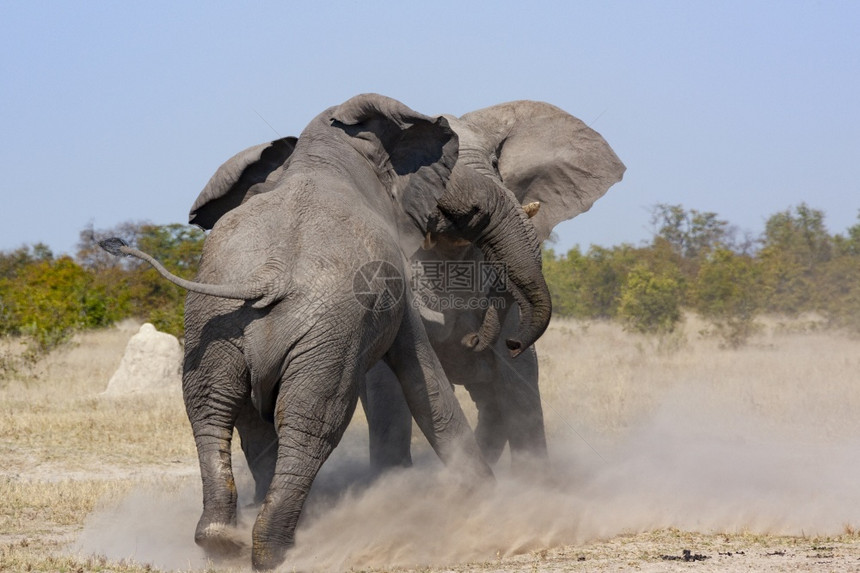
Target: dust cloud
point(151, 524)
point(705, 459)
point(691, 466)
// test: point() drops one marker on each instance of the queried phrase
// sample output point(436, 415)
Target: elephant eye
point(494, 159)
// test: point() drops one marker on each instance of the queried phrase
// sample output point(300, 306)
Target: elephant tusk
point(532, 208)
point(429, 242)
point(471, 340)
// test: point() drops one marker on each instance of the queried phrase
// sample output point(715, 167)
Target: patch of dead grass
point(602, 381)
point(32, 507)
point(25, 555)
point(60, 416)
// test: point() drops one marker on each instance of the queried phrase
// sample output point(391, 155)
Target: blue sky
point(122, 111)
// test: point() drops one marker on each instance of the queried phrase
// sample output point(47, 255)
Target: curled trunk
point(487, 334)
point(489, 215)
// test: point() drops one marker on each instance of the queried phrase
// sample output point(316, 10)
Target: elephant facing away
point(301, 289)
point(556, 167)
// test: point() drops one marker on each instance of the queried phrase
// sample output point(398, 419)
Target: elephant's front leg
point(521, 406)
point(432, 402)
point(313, 408)
point(509, 409)
point(490, 431)
point(215, 389)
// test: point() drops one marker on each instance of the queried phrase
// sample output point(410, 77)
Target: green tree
point(12, 261)
point(561, 275)
point(801, 234)
point(649, 302)
point(853, 239)
point(588, 286)
point(728, 292)
point(850, 243)
point(839, 285)
point(839, 291)
point(49, 300)
point(142, 292)
point(603, 279)
point(691, 233)
point(796, 246)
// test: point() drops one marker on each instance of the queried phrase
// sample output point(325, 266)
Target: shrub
point(137, 287)
point(48, 300)
point(728, 292)
point(650, 302)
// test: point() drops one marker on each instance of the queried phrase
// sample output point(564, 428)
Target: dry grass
point(603, 381)
point(69, 452)
point(31, 507)
point(59, 416)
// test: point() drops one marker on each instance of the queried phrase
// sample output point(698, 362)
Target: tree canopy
point(47, 299)
point(697, 260)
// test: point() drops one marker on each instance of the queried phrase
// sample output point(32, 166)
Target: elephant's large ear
point(547, 155)
point(239, 179)
point(412, 153)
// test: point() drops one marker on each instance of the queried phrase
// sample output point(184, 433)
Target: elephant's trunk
point(487, 334)
point(517, 247)
point(268, 284)
point(489, 215)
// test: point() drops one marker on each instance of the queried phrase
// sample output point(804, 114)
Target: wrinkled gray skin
point(540, 154)
point(278, 342)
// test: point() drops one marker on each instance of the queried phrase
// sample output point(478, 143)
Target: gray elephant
point(556, 167)
point(301, 290)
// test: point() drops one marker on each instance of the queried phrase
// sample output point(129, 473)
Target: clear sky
point(117, 111)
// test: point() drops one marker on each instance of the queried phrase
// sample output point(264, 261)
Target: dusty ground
point(670, 456)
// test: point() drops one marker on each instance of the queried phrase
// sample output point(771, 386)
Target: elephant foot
point(218, 540)
point(271, 541)
point(268, 556)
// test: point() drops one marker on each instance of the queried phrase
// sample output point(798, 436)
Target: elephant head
point(534, 155)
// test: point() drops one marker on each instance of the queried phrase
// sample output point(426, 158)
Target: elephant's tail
point(269, 284)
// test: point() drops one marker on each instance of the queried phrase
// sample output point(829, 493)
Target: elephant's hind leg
point(313, 409)
point(519, 401)
point(215, 389)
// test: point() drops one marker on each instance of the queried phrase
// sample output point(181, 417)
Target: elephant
point(556, 167)
point(301, 289)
